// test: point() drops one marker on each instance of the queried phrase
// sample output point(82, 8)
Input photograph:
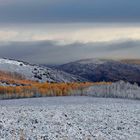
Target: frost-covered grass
point(70, 118)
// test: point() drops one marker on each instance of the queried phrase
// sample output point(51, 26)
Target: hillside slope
point(13, 79)
point(37, 73)
point(103, 70)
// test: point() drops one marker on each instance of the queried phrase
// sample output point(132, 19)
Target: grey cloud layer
point(69, 10)
point(48, 52)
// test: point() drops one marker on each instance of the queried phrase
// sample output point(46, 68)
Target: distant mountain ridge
point(36, 72)
point(94, 70)
point(103, 70)
point(131, 61)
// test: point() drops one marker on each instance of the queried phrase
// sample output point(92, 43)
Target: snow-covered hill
point(35, 72)
point(103, 70)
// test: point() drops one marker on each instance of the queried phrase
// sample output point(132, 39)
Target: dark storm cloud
point(69, 10)
point(49, 52)
point(122, 45)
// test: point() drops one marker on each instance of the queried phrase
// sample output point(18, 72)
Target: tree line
point(45, 89)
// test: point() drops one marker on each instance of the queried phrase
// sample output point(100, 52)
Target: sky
point(60, 31)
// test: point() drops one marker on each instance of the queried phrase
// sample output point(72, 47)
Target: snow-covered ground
point(70, 118)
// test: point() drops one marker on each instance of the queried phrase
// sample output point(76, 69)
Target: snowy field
point(70, 118)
